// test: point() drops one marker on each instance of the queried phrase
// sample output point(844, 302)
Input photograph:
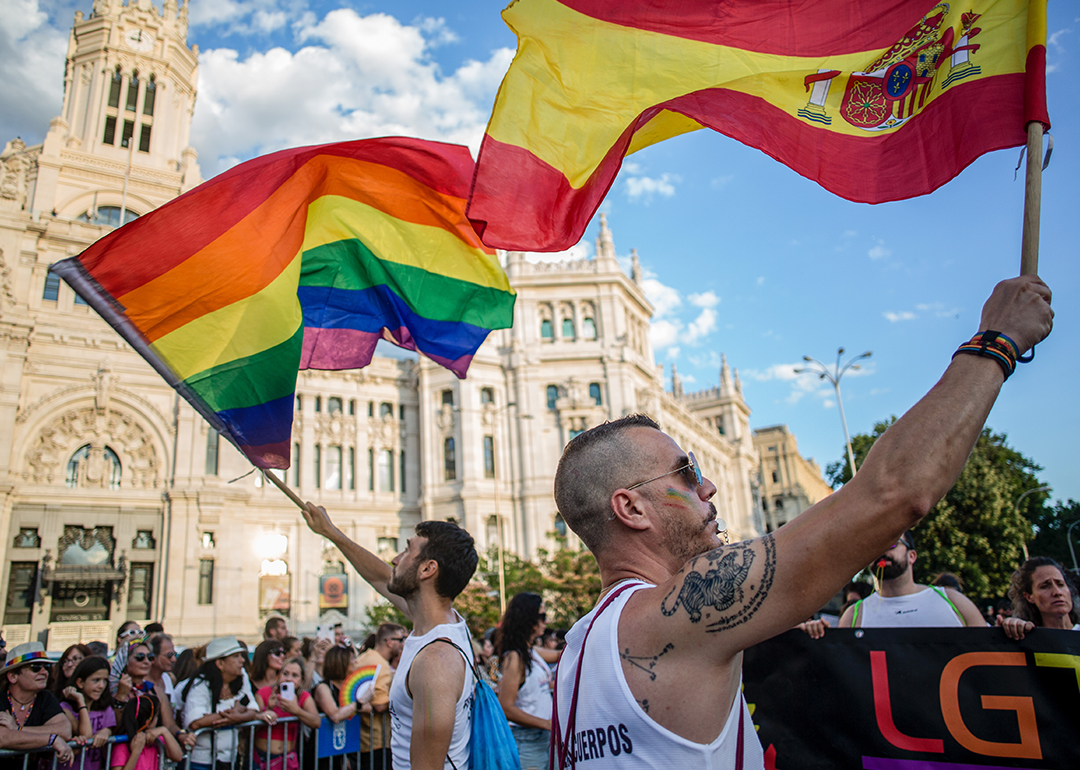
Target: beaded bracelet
point(994, 345)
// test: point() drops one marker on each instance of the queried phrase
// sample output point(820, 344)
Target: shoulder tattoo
point(723, 585)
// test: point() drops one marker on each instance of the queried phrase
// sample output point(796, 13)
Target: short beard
point(404, 585)
point(893, 570)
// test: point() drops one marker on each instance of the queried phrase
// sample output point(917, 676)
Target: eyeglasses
point(169, 655)
point(902, 542)
point(693, 479)
point(139, 657)
point(37, 668)
point(277, 651)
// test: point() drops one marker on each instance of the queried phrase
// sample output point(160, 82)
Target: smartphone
point(325, 632)
point(287, 691)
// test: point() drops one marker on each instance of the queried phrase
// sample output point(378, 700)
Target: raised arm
point(747, 592)
point(372, 569)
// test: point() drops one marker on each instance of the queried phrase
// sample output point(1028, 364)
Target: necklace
point(23, 713)
point(22, 706)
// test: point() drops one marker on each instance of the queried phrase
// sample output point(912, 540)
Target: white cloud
point(664, 298)
point(850, 233)
point(354, 77)
point(879, 251)
point(31, 67)
point(803, 383)
point(701, 326)
point(645, 187)
point(938, 309)
point(903, 315)
point(760, 280)
point(704, 299)
point(581, 250)
point(663, 333)
point(720, 182)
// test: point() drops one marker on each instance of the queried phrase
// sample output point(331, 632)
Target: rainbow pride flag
point(358, 684)
point(875, 101)
point(302, 259)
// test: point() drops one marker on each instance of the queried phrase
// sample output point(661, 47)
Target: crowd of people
point(650, 678)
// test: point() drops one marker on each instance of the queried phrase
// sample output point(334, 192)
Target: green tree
point(1051, 527)
point(976, 530)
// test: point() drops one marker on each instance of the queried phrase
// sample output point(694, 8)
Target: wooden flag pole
point(1029, 249)
point(284, 488)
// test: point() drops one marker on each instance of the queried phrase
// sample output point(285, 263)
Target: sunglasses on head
point(691, 472)
point(139, 657)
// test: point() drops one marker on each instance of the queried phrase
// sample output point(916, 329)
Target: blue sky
point(744, 257)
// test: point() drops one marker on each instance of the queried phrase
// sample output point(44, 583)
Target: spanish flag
point(874, 101)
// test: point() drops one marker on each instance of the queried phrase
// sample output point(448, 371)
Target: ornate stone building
point(790, 483)
point(118, 502)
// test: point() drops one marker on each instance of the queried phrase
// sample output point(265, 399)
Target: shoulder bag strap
point(560, 750)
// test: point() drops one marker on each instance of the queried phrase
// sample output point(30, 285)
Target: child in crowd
point(284, 699)
point(88, 705)
point(139, 722)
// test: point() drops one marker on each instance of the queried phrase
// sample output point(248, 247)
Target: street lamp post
point(1068, 539)
point(824, 373)
point(1016, 510)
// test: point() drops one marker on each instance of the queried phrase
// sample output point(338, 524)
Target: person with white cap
point(219, 695)
point(30, 715)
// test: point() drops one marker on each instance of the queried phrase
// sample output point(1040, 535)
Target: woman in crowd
point(88, 706)
point(60, 676)
point(284, 699)
point(336, 665)
point(293, 647)
point(525, 679)
point(266, 664)
point(1043, 596)
point(136, 679)
point(29, 711)
point(218, 695)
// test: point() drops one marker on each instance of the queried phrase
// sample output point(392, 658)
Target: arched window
point(386, 409)
point(560, 526)
point(333, 467)
point(595, 393)
point(133, 92)
point(588, 328)
point(84, 468)
point(151, 93)
point(487, 395)
point(552, 395)
point(114, 91)
point(107, 215)
point(333, 405)
point(568, 329)
point(546, 331)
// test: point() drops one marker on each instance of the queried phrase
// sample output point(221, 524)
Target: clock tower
point(120, 146)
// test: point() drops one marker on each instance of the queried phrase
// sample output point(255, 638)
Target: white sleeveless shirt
point(924, 609)
point(401, 703)
point(611, 729)
point(534, 697)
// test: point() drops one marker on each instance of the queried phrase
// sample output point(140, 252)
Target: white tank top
point(611, 729)
point(401, 703)
point(924, 609)
point(534, 697)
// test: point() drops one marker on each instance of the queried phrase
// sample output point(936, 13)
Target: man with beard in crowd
point(431, 695)
point(900, 601)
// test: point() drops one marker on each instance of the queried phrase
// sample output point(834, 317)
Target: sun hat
point(222, 647)
point(24, 653)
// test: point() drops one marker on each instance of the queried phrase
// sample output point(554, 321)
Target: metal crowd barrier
point(328, 741)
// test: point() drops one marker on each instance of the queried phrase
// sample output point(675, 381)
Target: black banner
point(916, 699)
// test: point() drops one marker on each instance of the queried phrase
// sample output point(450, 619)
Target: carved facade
point(119, 502)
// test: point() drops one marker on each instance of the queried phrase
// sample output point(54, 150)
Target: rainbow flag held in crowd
point(875, 101)
point(358, 684)
point(302, 259)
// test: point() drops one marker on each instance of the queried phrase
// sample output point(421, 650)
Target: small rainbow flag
point(358, 684)
point(302, 259)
